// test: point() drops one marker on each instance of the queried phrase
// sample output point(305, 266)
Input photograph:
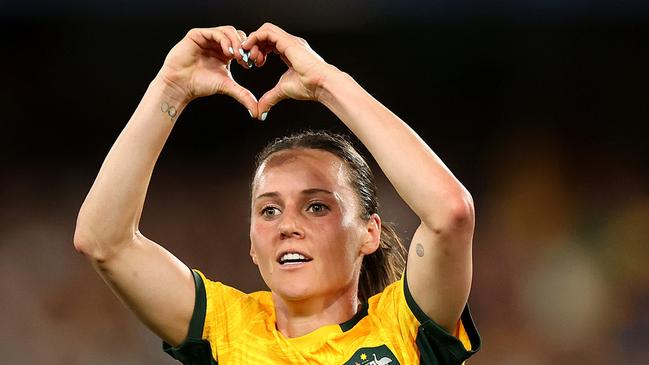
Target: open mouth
point(292, 258)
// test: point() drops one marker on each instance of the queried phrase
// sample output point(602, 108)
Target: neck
point(295, 318)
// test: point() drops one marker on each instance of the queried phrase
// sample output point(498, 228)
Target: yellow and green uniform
point(230, 327)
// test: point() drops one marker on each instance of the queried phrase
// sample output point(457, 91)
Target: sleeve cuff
point(194, 350)
point(436, 339)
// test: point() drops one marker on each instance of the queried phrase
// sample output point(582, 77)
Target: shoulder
point(223, 302)
point(395, 311)
point(221, 314)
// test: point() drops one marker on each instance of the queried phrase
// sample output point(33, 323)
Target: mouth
point(292, 258)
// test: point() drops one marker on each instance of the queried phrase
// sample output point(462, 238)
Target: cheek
point(260, 226)
point(344, 244)
point(260, 236)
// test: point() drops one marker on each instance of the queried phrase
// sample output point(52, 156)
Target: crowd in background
point(560, 271)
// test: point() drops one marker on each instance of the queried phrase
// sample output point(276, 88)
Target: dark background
point(540, 109)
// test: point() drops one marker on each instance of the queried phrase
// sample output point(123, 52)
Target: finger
point(256, 50)
point(268, 100)
point(211, 39)
point(242, 35)
point(272, 38)
point(245, 55)
point(242, 95)
point(263, 37)
point(250, 62)
point(259, 52)
point(234, 36)
point(257, 56)
point(269, 28)
point(286, 61)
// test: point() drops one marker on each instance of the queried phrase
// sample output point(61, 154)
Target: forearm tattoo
point(170, 110)
point(420, 250)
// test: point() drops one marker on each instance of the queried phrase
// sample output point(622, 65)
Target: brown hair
point(387, 263)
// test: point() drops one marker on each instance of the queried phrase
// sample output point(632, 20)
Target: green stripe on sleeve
point(194, 350)
point(437, 346)
point(200, 307)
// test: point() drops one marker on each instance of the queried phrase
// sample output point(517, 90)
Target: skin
point(303, 201)
point(439, 261)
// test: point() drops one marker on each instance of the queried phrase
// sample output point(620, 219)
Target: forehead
point(301, 169)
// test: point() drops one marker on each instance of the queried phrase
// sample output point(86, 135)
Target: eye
point(270, 212)
point(318, 208)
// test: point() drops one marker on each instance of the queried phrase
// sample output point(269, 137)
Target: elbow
point(462, 211)
point(96, 250)
point(94, 247)
point(82, 242)
point(456, 216)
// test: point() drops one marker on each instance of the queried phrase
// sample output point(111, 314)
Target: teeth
point(292, 256)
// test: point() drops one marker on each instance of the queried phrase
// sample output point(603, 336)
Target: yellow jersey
point(229, 327)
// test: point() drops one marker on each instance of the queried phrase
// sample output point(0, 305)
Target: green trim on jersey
point(346, 326)
point(432, 345)
point(436, 346)
point(194, 350)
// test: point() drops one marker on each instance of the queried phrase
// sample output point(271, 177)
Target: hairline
point(345, 163)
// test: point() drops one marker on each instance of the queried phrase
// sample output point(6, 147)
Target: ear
point(372, 238)
point(253, 254)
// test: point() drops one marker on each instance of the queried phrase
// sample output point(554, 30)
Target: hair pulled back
point(387, 263)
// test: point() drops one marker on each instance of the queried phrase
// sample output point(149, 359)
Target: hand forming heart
point(199, 65)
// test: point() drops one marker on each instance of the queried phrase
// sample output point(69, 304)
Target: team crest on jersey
point(380, 355)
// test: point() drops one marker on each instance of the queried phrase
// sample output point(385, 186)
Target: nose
point(290, 227)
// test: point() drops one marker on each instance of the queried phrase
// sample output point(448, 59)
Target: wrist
point(165, 98)
point(333, 79)
point(170, 90)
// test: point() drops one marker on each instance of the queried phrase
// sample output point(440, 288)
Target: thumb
point(242, 95)
point(270, 99)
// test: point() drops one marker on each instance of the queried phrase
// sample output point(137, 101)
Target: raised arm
point(146, 277)
point(439, 262)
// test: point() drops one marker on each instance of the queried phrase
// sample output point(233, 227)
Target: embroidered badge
point(380, 355)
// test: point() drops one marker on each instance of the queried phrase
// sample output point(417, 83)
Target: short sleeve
point(194, 350)
point(436, 345)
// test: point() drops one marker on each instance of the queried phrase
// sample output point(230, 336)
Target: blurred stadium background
point(539, 108)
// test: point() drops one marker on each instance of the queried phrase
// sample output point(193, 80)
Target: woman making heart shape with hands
point(340, 289)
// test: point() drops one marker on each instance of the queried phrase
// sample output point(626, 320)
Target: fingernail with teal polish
point(263, 116)
point(231, 50)
point(244, 55)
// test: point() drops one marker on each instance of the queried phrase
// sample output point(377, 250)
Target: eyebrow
point(312, 191)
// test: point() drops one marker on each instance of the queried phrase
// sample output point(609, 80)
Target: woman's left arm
point(439, 260)
point(439, 266)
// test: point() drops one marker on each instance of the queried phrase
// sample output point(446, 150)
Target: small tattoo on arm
point(420, 250)
point(170, 110)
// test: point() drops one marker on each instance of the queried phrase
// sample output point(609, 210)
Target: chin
point(294, 292)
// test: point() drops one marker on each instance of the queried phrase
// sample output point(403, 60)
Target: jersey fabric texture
point(229, 327)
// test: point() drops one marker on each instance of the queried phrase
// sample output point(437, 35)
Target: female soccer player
point(338, 290)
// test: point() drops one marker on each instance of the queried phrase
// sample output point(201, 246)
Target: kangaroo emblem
point(379, 355)
point(381, 361)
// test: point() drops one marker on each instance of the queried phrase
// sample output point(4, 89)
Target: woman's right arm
point(151, 281)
